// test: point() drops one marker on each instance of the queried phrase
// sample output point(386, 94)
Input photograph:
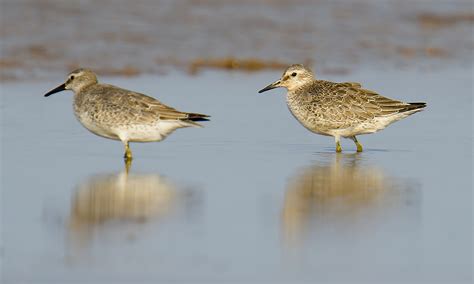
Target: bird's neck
point(293, 97)
point(296, 97)
point(297, 90)
point(78, 89)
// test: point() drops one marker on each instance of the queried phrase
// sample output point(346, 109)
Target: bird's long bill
point(58, 89)
point(271, 86)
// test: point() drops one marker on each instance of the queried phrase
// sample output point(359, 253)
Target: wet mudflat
point(251, 197)
point(119, 37)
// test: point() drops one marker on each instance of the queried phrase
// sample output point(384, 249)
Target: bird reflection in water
point(344, 194)
point(120, 204)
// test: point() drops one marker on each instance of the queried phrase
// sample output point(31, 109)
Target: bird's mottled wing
point(152, 107)
point(351, 84)
point(132, 107)
point(347, 104)
point(165, 112)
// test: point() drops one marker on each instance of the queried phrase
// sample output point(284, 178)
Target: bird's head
point(76, 80)
point(294, 77)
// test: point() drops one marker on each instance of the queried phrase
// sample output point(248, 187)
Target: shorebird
point(338, 109)
point(120, 114)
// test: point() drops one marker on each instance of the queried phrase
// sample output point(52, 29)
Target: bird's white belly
point(133, 132)
point(140, 133)
point(149, 132)
point(96, 128)
point(367, 127)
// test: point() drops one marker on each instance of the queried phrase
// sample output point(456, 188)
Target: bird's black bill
point(269, 87)
point(58, 89)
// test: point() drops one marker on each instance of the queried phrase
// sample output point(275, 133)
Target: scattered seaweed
point(428, 51)
point(231, 64)
point(39, 52)
point(9, 63)
point(436, 21)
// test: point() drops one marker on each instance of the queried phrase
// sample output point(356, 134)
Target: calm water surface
point(252, 197)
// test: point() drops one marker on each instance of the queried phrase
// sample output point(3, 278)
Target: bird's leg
point(359, 147)
point(128, 154)
point(128, 164)
point(338, 145)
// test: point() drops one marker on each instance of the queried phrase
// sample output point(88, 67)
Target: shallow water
point(252, 197)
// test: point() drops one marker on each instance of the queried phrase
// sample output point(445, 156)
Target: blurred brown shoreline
point(46, 37)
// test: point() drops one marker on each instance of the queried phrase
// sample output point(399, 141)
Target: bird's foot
point(128, 164)
point(128, 153)
point(338, 147)
point(127, 156)
point(359, 147)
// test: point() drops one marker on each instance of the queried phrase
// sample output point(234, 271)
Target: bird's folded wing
point(366, 103)
point(146, 107)
point(346, 104)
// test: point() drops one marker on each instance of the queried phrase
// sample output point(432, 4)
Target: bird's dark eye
point(293, 74)
point(72, 77)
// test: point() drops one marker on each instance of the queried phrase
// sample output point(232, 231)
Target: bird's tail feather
point(198, 117)
point(413, 106)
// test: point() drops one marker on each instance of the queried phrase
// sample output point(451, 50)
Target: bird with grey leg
point(120, 114)
point(338, 109)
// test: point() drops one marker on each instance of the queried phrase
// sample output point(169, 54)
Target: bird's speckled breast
point(300, 106)
point(87, 111)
